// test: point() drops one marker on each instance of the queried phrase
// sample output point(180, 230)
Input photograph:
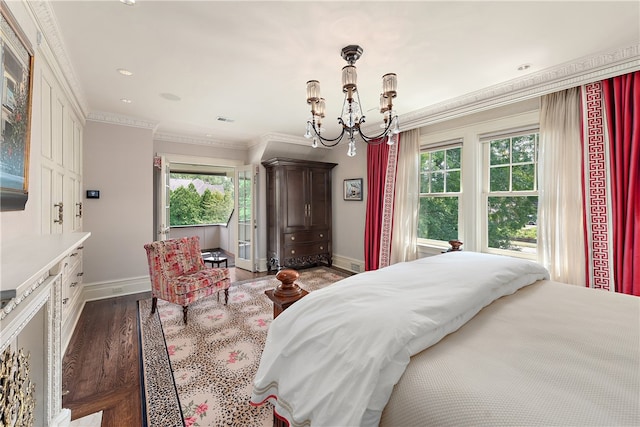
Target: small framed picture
point(353, 189)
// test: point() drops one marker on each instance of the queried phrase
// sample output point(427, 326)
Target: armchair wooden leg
point(226, 296)
point(184, 313)
point(154, 304)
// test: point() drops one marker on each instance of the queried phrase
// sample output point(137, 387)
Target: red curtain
point(377, 159)
point(622, 105)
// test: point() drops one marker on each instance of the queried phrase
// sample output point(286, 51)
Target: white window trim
point(472, 227)
point(484, 142)
point(439, 245)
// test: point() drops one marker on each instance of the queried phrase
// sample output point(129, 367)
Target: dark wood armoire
point(298, 213)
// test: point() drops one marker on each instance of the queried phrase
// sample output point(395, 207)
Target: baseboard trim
point(349, 264)
point(116, 288)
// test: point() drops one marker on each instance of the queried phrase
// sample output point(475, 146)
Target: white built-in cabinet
point(61, 186)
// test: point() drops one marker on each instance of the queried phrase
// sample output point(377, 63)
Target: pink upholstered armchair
point(178, 273)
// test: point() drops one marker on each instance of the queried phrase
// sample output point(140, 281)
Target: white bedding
point(333, 357)
point(549, 355)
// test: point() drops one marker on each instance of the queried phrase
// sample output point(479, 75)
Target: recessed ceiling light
point(170, 96)
point(128, 2)
point(524, 67)
point(126, 100)
point(124, 72)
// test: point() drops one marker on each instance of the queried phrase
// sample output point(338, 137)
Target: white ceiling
point(250, 61)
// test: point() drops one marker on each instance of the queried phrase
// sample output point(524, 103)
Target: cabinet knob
point(321, 235)
point(64, 301)
point(321, 247)
point(293, 251)
point(293, 237)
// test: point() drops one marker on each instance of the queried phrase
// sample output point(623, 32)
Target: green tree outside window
point(213, 204)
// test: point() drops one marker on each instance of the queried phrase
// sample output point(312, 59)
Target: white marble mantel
point(32, 267)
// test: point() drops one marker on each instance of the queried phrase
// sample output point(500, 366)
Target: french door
point(245, 193)
point(163, 208)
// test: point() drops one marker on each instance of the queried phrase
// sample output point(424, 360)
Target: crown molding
point(182, 139)
point(48, 25)
point(281, 137)
point(116, 119)
point(565, 76)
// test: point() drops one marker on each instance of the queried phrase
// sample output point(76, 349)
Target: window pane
point(437, 182)
point(523, 177)
point(438, 218)
point(453, 181)
point(499, 152)
point(524, 149)
point(453, 158)
point(512, 223)
point(499, 179)
point(424, 182)
point(437, 160)
point(425, 162)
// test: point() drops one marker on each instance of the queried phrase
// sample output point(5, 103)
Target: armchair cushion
point(178, 257)
point(200, 279)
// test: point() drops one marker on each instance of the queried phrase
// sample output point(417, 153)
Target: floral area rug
point(201, 374)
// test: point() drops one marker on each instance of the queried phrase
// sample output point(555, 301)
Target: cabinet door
point(51, 184)
point(294, 199)
point(319, 198)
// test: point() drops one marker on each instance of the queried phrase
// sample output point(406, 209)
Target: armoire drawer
point(303, 249)
point(305, 236)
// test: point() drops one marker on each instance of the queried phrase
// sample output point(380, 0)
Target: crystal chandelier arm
point(328, 142)
point(368, 139)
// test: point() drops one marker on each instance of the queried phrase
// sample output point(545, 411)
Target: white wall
point(118, 161)
point(349, 216)
point(211, 236)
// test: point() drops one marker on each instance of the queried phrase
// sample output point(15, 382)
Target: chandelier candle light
point(352, 118)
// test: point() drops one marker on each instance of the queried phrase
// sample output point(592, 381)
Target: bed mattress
point(550, 354)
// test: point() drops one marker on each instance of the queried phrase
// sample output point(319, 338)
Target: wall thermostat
point(93, 194)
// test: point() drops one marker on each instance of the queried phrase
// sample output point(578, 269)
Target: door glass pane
point(244, 215)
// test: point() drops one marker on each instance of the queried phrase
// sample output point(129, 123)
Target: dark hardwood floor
point(101, 367)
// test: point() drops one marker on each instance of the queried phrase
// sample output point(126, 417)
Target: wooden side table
point(286, 293)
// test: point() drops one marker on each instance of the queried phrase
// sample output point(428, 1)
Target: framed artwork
point(16, 56)
point(353, 189)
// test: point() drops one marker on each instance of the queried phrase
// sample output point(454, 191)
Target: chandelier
point(351, 119)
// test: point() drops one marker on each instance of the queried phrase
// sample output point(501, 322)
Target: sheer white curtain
point(405, 211)
point(561, 244)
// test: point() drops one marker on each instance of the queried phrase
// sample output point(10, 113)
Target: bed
point(457, 339)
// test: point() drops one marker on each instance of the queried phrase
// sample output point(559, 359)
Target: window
point(511, 196)
point(440, 191)
point(197, 199)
